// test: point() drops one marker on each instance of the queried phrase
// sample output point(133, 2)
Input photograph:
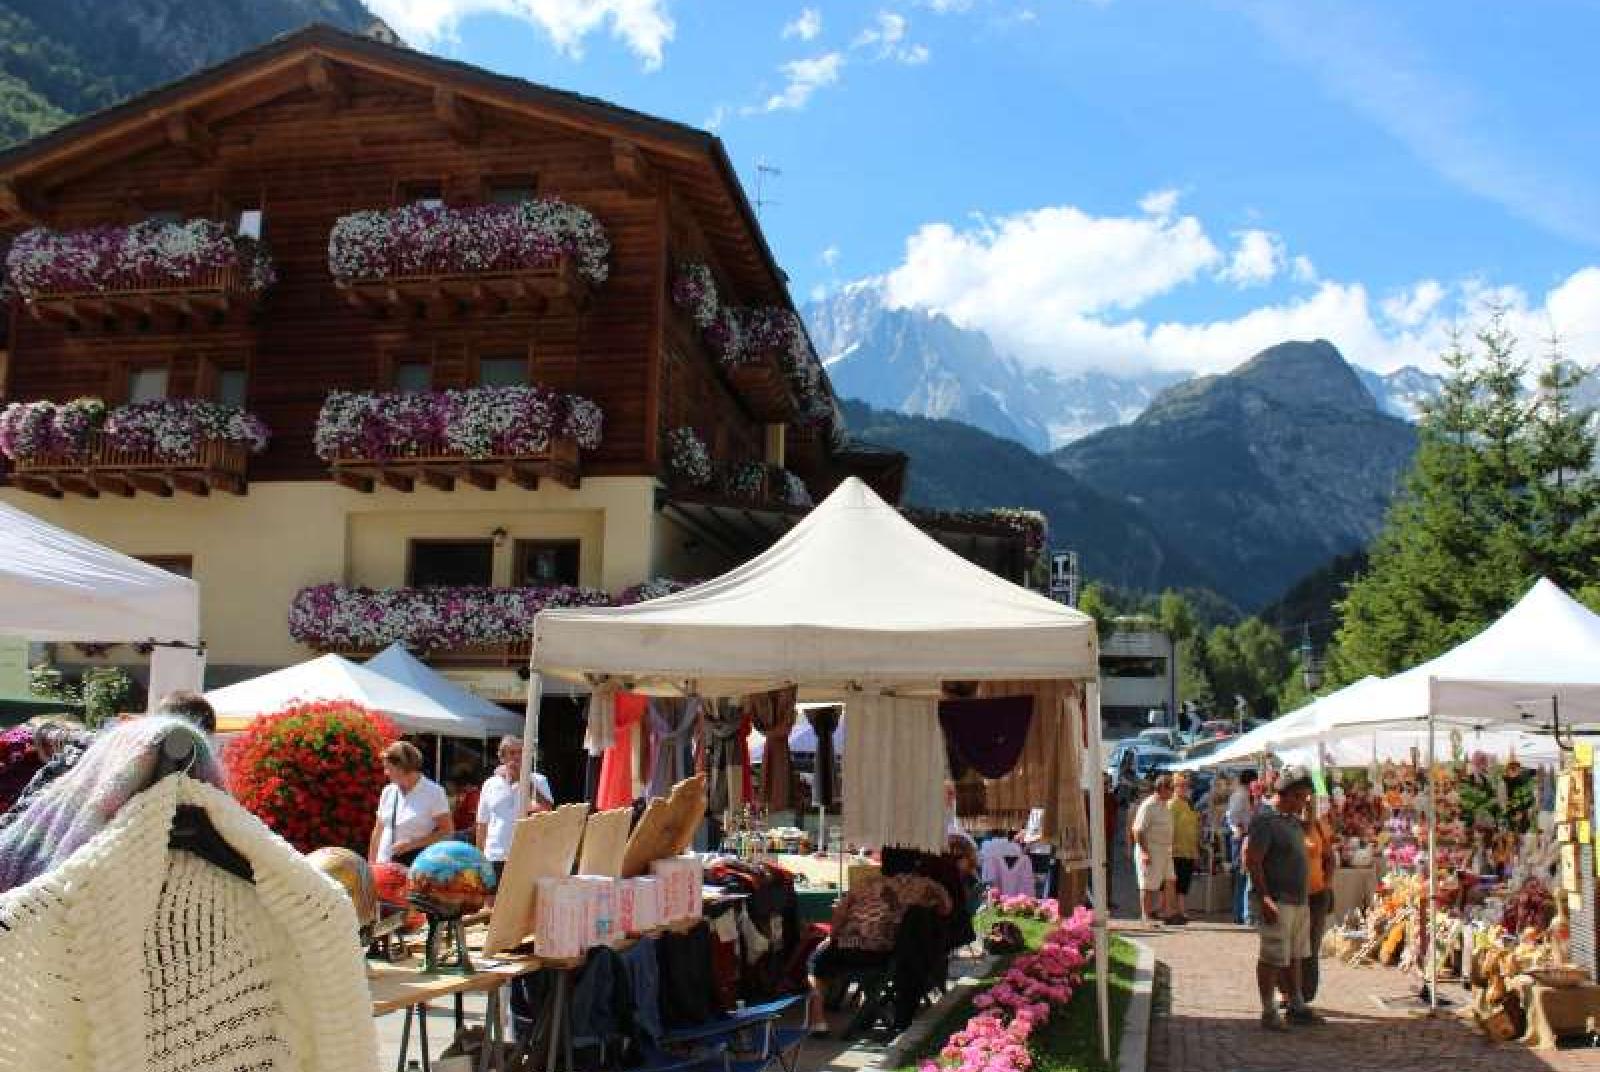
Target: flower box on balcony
point(196, 271)
point(479, 435)
point(473, 622)
point(157, 447)
point(535, 256)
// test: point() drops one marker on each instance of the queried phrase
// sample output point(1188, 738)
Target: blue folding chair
point(753, 1030)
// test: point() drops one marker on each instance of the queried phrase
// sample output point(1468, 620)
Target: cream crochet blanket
point(131, 956)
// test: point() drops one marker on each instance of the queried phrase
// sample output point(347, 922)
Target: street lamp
point(1310, 664)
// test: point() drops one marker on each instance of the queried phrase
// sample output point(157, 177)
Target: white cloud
point(886, 38)
point(803, 79)
point(1258, 259)
point(1061, 288)
point(830, 257)
point(644, 26)
point(718, 116)
point(806, 25)
point(1469, 140)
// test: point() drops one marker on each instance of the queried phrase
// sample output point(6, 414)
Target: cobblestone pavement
point(1209, 1022)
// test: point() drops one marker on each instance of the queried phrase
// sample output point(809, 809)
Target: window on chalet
point(250, 221)
point(147, 384)
point(182, 565)
point(502, 370)
point(543, 563)
point(450, 563)
point(413, 377)
point(509, 190)
point(422, 191)
point(231, 386)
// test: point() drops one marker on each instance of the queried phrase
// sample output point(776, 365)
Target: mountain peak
point(1302, 374)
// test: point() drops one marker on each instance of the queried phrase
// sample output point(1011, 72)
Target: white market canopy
point(1270, 737)
point(1540, 657)
point(333, 677)
point(58, 586)
point(399, 665)
point(852, 594)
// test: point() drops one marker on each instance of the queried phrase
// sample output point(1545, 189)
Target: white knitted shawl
point(73, 946)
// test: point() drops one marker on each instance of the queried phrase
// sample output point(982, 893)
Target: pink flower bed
point(996, 1038)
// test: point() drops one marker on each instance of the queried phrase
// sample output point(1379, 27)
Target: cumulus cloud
point(886, 39)
point(1062, 288)
point(830, 257)
point(802, 80)
point(1257, 259)
point(644, 26)
point(806, 25)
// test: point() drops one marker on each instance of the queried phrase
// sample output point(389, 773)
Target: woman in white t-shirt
point(413, 811)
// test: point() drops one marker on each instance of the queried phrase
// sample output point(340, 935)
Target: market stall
point(58, 586)
point(399, 665)
point(855, 605)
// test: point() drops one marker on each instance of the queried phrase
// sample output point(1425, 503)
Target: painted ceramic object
point(353, 876)
point(453, 875)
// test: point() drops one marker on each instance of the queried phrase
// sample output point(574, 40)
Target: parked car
point(1162, 737)
point(1136, 761)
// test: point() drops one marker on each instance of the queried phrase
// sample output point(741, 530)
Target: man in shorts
point(1152, 863)
point(1275, 857)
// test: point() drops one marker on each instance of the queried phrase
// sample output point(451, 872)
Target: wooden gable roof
point(320, 58)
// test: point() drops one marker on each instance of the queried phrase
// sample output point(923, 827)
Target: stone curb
point(1134, 1053)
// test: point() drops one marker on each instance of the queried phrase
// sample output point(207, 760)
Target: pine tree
point(1499, 494)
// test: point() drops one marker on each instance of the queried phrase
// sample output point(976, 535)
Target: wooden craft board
point(542, 846)
point(605, 843)
point(667, 826)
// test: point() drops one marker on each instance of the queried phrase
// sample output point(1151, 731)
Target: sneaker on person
point(1271, 1021)
point(1304, 1016)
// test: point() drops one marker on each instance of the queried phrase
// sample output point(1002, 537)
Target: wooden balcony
point(511, 655)
point(764, 386)
point(559, 462)
point(105, 468)
point(206, 299)
point(554, 291)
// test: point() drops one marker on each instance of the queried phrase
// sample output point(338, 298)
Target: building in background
point(1138, 675)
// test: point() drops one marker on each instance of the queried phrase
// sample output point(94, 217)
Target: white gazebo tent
point(1536, 669)
point(854, 598)
point(58, 586)
point(1269, 737)
point(399, 665)
point(333, 677)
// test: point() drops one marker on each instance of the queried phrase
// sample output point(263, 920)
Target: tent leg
point(530, 741)
point(1098, 878)
point(1428, 928)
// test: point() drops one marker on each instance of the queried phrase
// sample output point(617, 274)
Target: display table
point(1556, 1012)
point(1353, 887)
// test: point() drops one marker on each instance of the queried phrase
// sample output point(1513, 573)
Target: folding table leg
point(405, 1040)
point(491, 1028)
point(558, 1029)
point(422, 1036)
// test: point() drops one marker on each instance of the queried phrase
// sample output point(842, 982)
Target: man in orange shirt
point(1321, 863)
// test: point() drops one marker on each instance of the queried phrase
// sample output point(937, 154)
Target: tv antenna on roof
point(764, 173)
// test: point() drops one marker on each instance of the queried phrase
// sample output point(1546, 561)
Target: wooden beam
point(232, 483)
point(631, 168)
point(479, 477)
point(435, 477)
point(192, 136)
point(328, 82)
point(111, 484)
point(459, 118)
point(153, 483)
point(353, 481)
point(77, 484)
point(19, 203)
point(193, 483)
point(395, 479)
point(522, 476)
point(39, 485)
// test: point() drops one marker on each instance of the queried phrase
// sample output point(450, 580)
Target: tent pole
point(530, 740)
point(1098, 878)
point(1428, 929)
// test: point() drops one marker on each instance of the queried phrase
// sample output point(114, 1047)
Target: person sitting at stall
point(865, 924)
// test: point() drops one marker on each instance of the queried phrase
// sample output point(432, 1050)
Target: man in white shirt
point(497, 803)
point(1152, 835)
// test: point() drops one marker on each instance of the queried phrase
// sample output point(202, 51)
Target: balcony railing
point(554, 290)
point(105, 467)
point(477, 435)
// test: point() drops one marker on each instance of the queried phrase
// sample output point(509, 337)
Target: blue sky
point(1125, 184)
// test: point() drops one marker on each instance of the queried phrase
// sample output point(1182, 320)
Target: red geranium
point(313, 772)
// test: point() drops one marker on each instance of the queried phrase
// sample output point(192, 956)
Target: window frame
point(406, 190)
point(130, 369)
point(522, 549)
point(490, 184)
point(480, 354)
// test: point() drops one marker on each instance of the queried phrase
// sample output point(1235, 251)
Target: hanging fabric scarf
point(616, 769)
point(773, 714)
point(672, 723)
point(986, 735)
point(894, 781)
point(726, 758)
point(824, 721)
point(600, 730)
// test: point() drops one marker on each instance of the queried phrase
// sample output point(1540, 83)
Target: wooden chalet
point(341, 240)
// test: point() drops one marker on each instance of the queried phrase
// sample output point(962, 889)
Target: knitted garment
point(78, 805)
point(70, 745)
point(131, 956)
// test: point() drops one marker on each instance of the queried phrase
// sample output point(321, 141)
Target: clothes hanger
point(192, 828)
